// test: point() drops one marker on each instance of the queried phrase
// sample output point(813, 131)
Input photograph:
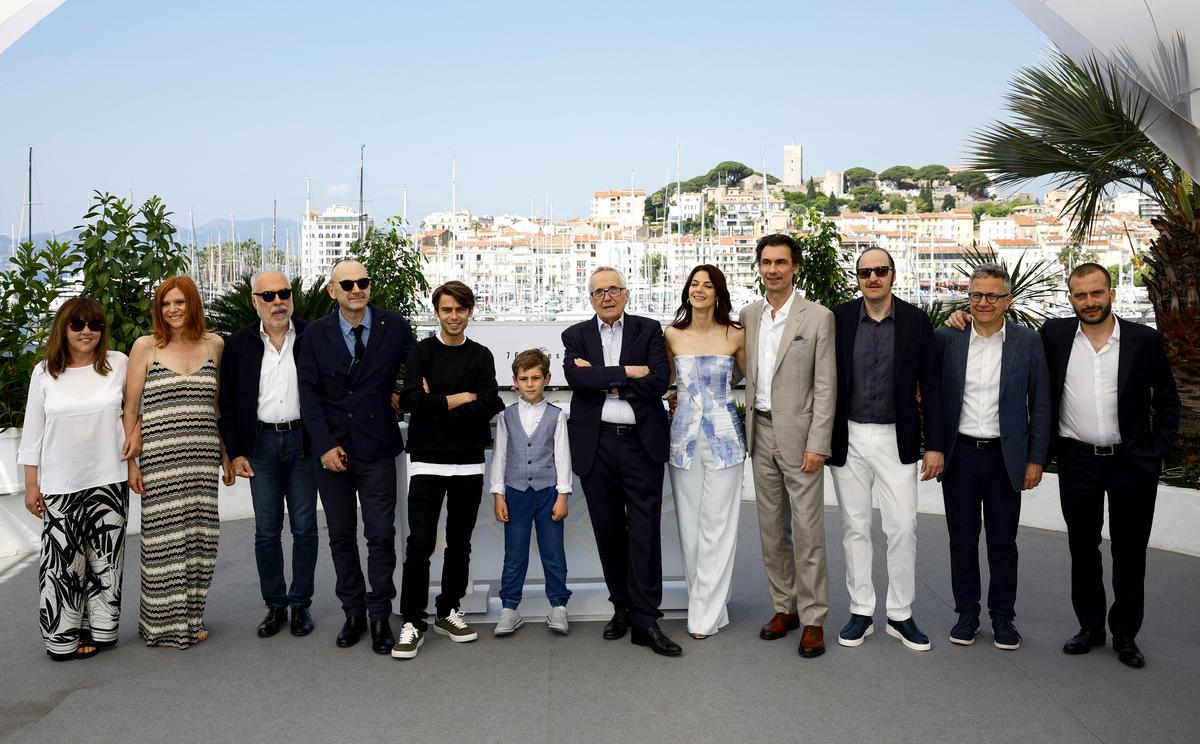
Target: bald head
point(347, 269)
point(350, 287)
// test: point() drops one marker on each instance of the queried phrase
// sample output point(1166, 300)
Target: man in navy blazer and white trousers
point(348, 369)
point(996, 415)
point(616, 365)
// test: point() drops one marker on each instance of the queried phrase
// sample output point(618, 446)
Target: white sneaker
point(510, 620)
point(408, 643)
point(455, 627)
point(557, 620)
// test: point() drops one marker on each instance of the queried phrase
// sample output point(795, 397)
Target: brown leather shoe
point(812, 641)
point(779, 625)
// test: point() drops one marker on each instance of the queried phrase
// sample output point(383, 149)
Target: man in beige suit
point(791, 389)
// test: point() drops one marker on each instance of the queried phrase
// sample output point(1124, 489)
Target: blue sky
point(222, 106)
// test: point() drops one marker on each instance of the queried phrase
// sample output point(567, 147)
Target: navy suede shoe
point(1004, 634)
point(964, 631)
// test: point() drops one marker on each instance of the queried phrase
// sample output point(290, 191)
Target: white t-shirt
point(73, 431)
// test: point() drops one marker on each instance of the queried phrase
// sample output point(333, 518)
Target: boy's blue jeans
point(526, 510)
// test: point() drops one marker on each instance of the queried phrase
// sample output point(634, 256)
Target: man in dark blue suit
point(616, 365)
point(996, 414)
point(348, 370)
point(263, 436)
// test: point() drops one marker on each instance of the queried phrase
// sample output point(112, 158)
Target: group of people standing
point(868, 388)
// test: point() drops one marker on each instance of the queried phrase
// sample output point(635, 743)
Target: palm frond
point(1033, 285)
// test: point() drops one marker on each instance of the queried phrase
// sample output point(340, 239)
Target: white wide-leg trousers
point(707, 505)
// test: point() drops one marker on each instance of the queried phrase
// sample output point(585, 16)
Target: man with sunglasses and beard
point(348, 368)
point(886, 352)
point(261, 427)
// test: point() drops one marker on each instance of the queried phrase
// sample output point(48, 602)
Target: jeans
point(284, 474)
point(527, 510)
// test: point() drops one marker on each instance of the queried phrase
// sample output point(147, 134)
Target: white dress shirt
point(445, 469)
point(278, 391)
point(1089, 403)
point(980, 417)
point(73, 431)
point(615, 411)
point(531, 416)
point(770, 335)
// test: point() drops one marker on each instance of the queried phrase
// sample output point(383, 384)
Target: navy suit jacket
point(1147, 401)
point(353, 408)
point(641, 344)
point(241, 367)
point(914, 364)
point(1024, 396)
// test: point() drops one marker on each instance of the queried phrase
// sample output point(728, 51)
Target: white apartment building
point(456, 222)
point(685, 206)
point(325, 237)
point(618, 208)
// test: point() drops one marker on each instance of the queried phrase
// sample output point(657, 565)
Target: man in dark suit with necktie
point(996, 415)
point(348, 369)
point(616, 365)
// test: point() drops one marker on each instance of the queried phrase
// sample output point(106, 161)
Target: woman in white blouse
point(75, 452)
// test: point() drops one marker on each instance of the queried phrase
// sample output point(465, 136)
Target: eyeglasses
point(77, 324)
point(990, 298)
point(349, 284)
point(270, 294)
point(600, 294)
point(879, 271)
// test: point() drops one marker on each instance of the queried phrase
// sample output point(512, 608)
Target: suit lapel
point(592, 347)
point(627, 334)
point(790, 326)
point(1008, 352)
point(333, 333)
point(1126, 353)
point(750, 321)
point(379, 329)
point(901, 336)
point(850, 333)
point(1063, 345)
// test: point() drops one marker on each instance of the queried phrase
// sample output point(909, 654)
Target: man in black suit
point(616, 366)
point(348, 369)
point(260, 427)
point(885, 352)
point(1116, 412)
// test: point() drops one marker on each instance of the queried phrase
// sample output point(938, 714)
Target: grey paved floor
point(535, 687)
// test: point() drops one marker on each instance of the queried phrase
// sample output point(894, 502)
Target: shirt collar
point(862, 312)
point(344, 324)
point(1116, 331)
point(526, 405)
point(262, 330)
point(617, 326)
point(1002, 334)
point(438, 336)
point(783, 311)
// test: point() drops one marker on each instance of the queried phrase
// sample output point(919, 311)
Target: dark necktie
point(359, 346)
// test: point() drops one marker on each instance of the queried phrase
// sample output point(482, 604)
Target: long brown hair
point(683, 316)
point(193, 329)
point(76, 308)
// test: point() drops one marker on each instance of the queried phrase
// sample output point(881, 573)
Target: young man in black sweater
point(451, 393)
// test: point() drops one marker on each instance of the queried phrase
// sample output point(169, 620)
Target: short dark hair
point(891, 261)
point(456, 289)
point(529, 359)
point(777, 239)
point(1084, 269)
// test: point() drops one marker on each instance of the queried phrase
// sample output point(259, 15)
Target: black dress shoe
point(1083, 641)
point(354, 627)
point(654, 638)
point(276, 617)
point(618, 626)
point(302, 623)
point(1128, 652)
point(382, 639)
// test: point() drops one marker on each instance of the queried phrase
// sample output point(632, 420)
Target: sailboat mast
point(29, 202)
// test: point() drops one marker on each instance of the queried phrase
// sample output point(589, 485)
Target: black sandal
point(85, 639)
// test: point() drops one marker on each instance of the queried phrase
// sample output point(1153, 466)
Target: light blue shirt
point(348, 330)
point(615, 411)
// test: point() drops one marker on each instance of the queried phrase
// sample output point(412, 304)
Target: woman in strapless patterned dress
point(708, 448)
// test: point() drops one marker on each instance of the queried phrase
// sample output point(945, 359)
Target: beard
point(1104, 313)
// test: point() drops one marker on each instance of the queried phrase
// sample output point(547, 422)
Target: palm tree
point(1079, 126)
point(231, 311)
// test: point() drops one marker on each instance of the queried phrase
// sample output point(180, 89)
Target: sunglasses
point(349, 284)
point(76, 324)
point(879, 271)
point(270, 294)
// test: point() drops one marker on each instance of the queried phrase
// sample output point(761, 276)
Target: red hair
point(193, 319)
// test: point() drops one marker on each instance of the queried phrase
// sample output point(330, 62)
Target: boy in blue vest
point(531, 481)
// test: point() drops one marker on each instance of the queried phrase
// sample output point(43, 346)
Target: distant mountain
point(213, 231)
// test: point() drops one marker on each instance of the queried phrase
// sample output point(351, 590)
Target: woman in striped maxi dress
point(173, 373)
